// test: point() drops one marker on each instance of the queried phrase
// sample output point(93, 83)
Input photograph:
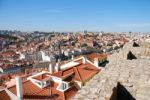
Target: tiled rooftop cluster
point(32, 52)
point(60, 82)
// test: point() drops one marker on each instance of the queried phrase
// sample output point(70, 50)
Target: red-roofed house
point(60, 82)
point(97, 59)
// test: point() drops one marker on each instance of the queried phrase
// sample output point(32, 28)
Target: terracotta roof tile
point(41, 77)
point(4, 95)
point(81, 72)
point(95, 55)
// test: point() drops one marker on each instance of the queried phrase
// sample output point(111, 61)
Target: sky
point(75, 15)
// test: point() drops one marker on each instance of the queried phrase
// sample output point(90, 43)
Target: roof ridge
point(15, 84)
point(61, 73)
point(64, 95)
point(77, 72)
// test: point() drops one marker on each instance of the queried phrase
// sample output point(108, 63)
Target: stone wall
point(134, 75)
point(140, 52)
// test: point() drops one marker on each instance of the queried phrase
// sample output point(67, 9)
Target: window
point(48, 82)
point(64, 86)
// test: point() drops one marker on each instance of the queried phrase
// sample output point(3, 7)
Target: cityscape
point(74, 50)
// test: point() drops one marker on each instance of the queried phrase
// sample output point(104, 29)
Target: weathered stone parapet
point(134, 75)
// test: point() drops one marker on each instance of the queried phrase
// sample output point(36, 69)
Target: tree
point(84, 45)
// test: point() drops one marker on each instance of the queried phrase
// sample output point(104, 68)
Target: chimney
point(50, 68)
point(59, 60)
point(96, 62)
point(84, 59)
point(19, 87)
point(50, 58)
point(57, 67)
point(72, 57)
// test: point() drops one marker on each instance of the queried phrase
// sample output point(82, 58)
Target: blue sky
point(75, 15)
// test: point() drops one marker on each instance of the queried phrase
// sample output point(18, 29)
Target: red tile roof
point(32, 92)
point(4, 95)
point(8, 53)
point(42, 77)
point(81, 72)
point(96, 55)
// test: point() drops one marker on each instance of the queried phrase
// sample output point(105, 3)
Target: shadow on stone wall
point(121, 93)
point(104, 63)
point(131, 56)
point(136, 44)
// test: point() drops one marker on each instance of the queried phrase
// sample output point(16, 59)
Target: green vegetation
point(84, 45)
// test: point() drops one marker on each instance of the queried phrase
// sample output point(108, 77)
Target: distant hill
point(7, 36)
